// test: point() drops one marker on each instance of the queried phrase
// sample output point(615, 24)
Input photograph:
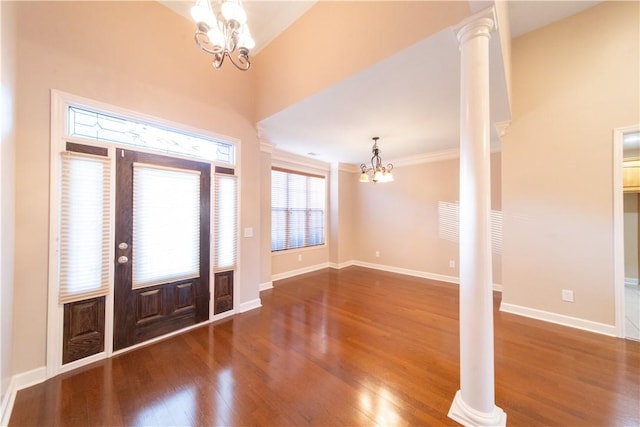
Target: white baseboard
point(560, 319)
point(408, 272)
point(630, 281)
point(266, 286)
point(417, 273)
point(250, 305)
point(299, 271)
point(391, 269)
point(17, 383)
point(341, 265)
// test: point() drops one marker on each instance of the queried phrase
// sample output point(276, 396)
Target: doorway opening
point(627, 231)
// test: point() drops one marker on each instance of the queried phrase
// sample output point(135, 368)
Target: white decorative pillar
point(474, 403)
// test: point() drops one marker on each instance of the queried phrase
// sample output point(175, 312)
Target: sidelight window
point(85, 214)
point(226, 223)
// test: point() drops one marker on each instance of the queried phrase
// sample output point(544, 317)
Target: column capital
point(501, 127)
point(479, 24)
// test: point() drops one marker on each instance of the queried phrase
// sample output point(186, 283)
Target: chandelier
point(377, 172)
point(223, 32)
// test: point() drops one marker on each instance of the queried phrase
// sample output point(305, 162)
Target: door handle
point(123, 260)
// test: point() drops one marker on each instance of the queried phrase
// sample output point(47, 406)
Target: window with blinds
point(85, 218)
point(166, 225)
point(297, 210)
point(225, 222)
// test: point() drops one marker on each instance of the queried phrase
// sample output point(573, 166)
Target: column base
point(467, 416)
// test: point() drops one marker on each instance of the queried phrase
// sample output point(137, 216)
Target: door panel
point(223, 298)
point(83, 333)
point(150, 311)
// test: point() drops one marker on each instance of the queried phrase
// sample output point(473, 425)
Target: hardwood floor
point(345, 347)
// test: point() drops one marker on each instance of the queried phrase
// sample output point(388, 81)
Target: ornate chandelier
point(223, 32)
point(377, 172)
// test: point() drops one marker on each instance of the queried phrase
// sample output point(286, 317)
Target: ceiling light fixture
point(223, 32)
point(377, 172)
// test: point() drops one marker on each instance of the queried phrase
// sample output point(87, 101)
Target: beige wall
point(341, 206)
point(573, 82)
point(336, 39)
point(7, 189)
point(631, 235)
point(401, 219)
point(348, 187)
point(149, 64)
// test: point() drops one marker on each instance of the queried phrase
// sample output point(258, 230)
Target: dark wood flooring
point(345, 347)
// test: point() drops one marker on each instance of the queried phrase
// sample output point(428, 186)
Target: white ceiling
point(410, 100)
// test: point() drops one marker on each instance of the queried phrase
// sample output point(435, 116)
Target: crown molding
point(284, 158)
point(265, 147)
point(434, 156)
point(348, 167)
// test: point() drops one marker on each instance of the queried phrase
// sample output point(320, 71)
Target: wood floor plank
point(345, 347)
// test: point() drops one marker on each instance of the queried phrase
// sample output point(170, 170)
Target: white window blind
point(166, 225)
point(84, 226)
point(225, 222)
point(297, 210)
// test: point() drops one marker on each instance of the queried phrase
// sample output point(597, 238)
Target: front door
point(161, 246)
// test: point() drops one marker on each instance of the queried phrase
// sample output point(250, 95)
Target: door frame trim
point(60, 101)
point(618, 227)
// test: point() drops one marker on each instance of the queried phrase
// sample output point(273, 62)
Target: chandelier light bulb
point(232, 11)
point(201, 12)
point(216, 38)
point(245, 40)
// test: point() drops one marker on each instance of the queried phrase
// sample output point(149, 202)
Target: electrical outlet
point(377, 254)
point(567, 295)
point(299, 257)
point(452, 264)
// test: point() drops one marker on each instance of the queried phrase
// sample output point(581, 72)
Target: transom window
point(297, 210)
point(104, 127)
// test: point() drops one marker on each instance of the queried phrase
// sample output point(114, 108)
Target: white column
point(474, 403)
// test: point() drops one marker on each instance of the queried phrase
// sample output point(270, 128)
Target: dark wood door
point(146, 306)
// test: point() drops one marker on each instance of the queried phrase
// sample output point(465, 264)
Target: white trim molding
point(297, 272)
point(434, 156)
point(339, 266)
point(250, 305)
point(631, 281)
point(618, 227)
point(286, 159)
point(265, 147)
point(348, 167)
point(405, 271)
point(416, 273)
point(17, 383)
point(266, 286)
point(559, 319)
point(408, 272)
point(501, 127)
